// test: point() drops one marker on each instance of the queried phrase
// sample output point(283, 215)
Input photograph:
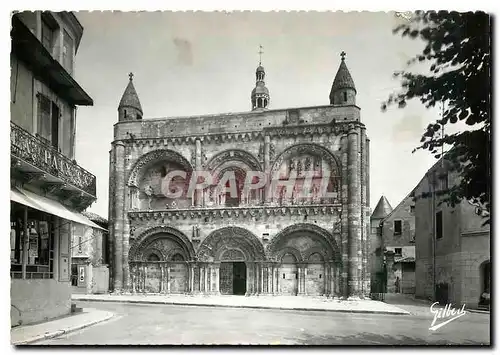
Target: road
point(136, 324)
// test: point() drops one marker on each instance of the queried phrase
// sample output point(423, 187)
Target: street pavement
point(150, 324)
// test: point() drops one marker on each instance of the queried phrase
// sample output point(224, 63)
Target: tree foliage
point(457, 50)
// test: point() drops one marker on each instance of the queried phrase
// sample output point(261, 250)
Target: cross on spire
point(342, 55)
point(130, 75)
point(260, 54)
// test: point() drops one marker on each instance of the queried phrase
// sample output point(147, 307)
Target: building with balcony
point(452, 243)
point(48, 187)
point(393, 247)
point(309, 237)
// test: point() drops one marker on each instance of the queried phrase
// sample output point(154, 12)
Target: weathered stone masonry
point(259, 243)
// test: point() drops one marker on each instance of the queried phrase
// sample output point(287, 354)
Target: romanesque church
point(262, 242)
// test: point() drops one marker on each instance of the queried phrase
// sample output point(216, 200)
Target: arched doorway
point(237, 250)
point(158, 261)
point(312, 248)
point(233, 273)
point(178, 275)
point(152, 269)
point(289, 276)
point(315, 275)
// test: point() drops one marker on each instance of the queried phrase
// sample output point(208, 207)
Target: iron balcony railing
point(33, 150)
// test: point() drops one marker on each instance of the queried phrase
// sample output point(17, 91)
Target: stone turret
point(130, 108)
point(343, 90)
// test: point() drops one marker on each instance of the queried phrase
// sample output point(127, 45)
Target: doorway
point(239, 278)
point(233, 279)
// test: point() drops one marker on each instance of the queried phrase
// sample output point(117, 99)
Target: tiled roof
point(383, 208)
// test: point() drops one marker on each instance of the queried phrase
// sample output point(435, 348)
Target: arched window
point(177, 257)
point(153, 257)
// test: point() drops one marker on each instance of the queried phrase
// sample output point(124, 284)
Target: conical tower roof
point(343, 79)
point(130, 97)
point(383, 208)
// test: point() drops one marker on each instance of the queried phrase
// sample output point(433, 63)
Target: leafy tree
point(457, 50)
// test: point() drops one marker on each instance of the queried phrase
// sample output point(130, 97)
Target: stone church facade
point(261, 242)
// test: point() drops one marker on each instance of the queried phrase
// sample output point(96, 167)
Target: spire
point(382, 209)
point(260, 94)
point(343, 89)
point(130, 107)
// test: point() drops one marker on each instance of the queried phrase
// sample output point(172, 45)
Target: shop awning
point(44, 204)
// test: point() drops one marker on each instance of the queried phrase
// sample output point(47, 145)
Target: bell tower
point(260, 94)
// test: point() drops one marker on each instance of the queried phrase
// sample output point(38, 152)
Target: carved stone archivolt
point(234, 154)
point(324, 244)
point(306, 149)
point(217, 243)
point(161, 232)
point(146, 160)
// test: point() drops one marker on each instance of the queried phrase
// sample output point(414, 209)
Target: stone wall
point(38, 300)
point(461, 251)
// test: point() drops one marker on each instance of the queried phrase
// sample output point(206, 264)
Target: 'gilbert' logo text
point(445, 313)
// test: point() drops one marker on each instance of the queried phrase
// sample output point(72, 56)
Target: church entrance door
point(239, 278)
point(233, 278)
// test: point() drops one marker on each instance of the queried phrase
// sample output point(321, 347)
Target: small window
point(345, 96)
point(47, 34)
point(125, 114)
point(412, 209)
point(320, 276)
point(283, 276)
point(398, 251)
point(439, 225)
point(68, 48)
point(397, 227)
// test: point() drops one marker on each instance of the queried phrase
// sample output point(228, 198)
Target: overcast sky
point(204, 63)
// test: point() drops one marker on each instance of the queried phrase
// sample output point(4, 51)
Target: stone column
point(217, 278)
point(198, 193)
point(334, 280)
point(262, 267)
point(302, 279)
point(277, 286)
point(118, 209)
point(269, 279)
point(145, 277)
point(267, 166)
point(167, 267)
point(207, 280)
point(162, 281)
point(326, 278)
point(354, 215)
point(192, 272)
point(249, 289)
point(134, 278)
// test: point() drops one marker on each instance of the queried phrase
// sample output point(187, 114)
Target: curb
point(63, 331)
point(167, 303)
point(478, 311)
